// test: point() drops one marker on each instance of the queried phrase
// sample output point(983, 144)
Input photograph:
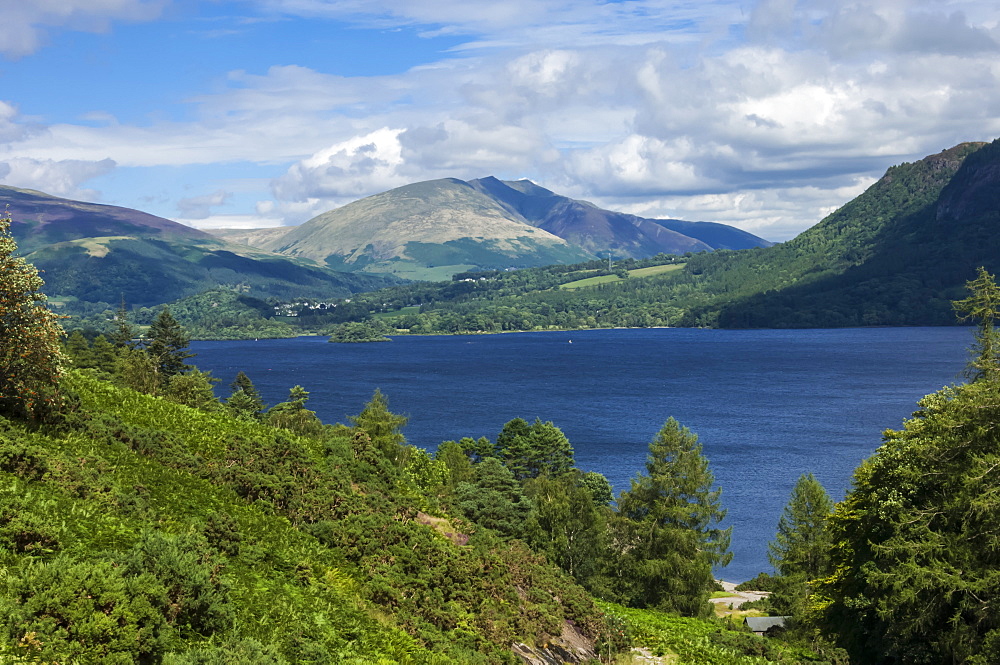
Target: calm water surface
point(767, 405)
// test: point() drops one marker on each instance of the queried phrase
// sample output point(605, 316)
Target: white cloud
point(200, 207)
point(646, 104)
point(350, 168)
point(60, 178)
point(26, 22)
point(230, 222)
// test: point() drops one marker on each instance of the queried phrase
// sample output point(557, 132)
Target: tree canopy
point(31, 363)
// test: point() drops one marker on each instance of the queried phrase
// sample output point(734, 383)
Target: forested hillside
point(896, 255)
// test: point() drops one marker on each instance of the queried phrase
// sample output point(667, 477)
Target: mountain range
point(896, 255)
point(436, 228)
point(101, 253)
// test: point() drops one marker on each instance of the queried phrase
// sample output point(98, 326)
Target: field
point(608, 279)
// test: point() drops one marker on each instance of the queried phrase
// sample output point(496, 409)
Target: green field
point(608, 279)
point(414, 309)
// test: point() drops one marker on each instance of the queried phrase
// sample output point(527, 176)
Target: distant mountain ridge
point(603, 231)
point(99, 253)
point(436, 228)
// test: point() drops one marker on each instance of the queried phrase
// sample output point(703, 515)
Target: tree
point(454, 458)
point(565, 523)
point(29, 335)
point(531, 450)
point(801, 546)
point(293, 415)
point(669, 539)
point(494, 499)
point(383, 426)
point(599, 487)
point(245, 401)
point(168, 343)
point(124, 332)
point(137, 370)
point(983, 306)
point(104, 354)
point(915, 546)
point(800, 551)
point(78, 350)
point(193, 389)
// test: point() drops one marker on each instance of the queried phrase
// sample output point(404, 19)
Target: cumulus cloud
point(764, 118)
point(26, 22)
point(350, 168)
point(60, 178)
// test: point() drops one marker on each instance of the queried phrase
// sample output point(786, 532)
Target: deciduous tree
point(31, 363)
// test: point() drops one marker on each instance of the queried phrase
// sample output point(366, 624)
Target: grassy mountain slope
point(96, 253)
point(603, 231)
point(429, 224)
point(201, 535)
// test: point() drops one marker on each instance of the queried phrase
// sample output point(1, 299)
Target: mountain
point(426, 229)
point(603, 231)
point(437, 228)
point(898, 254)
point(99, 253)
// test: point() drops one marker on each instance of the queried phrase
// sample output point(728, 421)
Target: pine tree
point(982, 306)
point(801, 546)
point(168, 343)
point(31, 363)
point(383, 426)
point(124, 331)
point(293, 415)
point(532, 450)
point(669, 534)
point(245, 401)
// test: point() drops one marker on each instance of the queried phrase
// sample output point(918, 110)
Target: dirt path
point(737, 598)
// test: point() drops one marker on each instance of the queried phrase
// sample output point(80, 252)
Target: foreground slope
point(139, 530)
point(98, 253)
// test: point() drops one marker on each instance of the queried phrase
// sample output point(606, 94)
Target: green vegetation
point(30, 358)
point(359, 331)
point(896, 255)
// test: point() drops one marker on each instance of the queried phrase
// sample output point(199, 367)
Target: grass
point(652, 271)
point(413, 309)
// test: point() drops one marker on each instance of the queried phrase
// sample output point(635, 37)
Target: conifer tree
point(245, 401)
point(801, 546)
point(382, 425)
point(124, 331)
point(168, 344)
point(531, 450)
point(31, 363)
point(982, 306)
point(669, 534)
point(915, 548)
point(292, 414)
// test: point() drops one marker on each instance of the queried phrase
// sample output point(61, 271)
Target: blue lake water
point(767, 405)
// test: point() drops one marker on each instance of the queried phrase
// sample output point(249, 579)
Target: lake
point(767, 405)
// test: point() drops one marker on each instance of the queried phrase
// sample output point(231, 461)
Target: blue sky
point(766, 115)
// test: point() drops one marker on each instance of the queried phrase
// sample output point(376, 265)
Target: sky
point(765, 115)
